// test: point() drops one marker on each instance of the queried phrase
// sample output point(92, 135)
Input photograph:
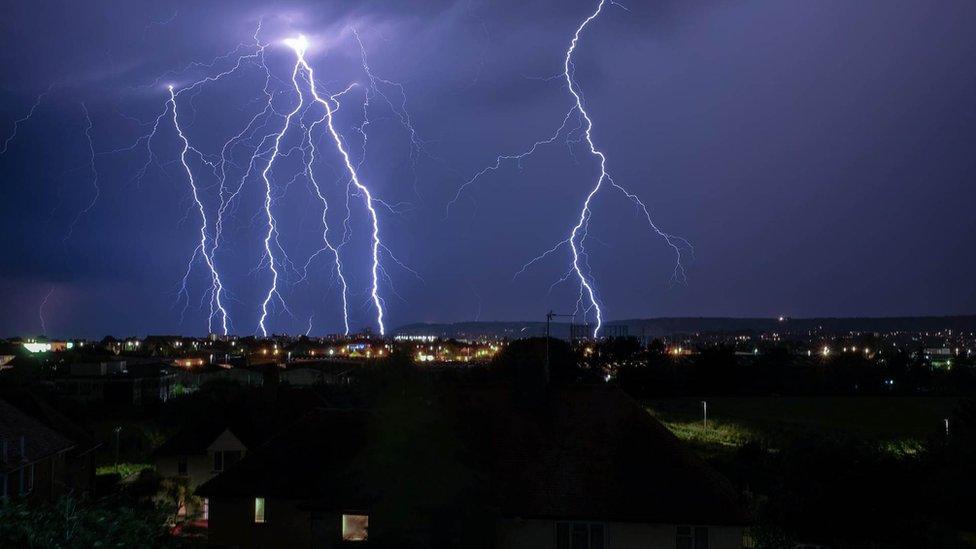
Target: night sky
point(820, 156)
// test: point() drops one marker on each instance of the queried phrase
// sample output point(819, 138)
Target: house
point(79, 463)
point(581, 467)
point(202, 450)
point(117, 382)
point(32, 457)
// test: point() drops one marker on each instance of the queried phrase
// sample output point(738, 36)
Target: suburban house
point(79, 462)
point(200, 451)
point(206, 447)
point(580, 467)
point(117, 383)
point(32, 457)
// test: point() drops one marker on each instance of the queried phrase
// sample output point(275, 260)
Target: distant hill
point(656, 327)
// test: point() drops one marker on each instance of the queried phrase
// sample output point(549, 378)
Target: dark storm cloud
point(818, 155)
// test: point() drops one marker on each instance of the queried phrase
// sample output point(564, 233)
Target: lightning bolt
point(327, 244)
point(252, 54)
point(25, 118)
point(300, 45)
point(215, 295)
point(587, 299)
point(94, 172)
point(269, 216)
point(40, 310)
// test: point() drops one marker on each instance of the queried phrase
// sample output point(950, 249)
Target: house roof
point(584, 452)
point(38, 409)
point(306, 461)
point(41, 441)
point(252, 422)
point(592, 452)
point(196, 436)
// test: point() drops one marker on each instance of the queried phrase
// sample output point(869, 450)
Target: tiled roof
point(41, 441)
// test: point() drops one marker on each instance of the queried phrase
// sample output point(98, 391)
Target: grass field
point(898, 423)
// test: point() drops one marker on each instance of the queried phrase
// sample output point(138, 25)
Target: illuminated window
point(355, 527)
point(259, 510)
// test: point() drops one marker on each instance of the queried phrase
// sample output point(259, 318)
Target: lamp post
point(705, 413)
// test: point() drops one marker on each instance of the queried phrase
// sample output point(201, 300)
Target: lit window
point(355, 527)
point(259, 510)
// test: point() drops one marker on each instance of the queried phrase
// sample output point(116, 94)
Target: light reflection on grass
point(723, 435)
point(122, 469)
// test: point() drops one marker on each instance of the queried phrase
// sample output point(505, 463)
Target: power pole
point(549, 316)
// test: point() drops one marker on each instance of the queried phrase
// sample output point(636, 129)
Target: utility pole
point(549, 316)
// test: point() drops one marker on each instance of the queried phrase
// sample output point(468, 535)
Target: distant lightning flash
point(91, 164)
point(25, 118)
point(587, 300)
point(40, 310)
point(300, 46)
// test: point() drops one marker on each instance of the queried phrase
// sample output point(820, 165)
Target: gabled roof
point(583, 452)
point(592, 452)
point(309, 460)
point(195, 437)
point(41, 441)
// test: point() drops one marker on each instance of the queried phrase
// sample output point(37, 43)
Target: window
point(355, 527)
point(687, 537)
point(27, 480)
point(181, 466)
point(580, 535)
point(206, 509)
point(259, 510)
point(224, 459)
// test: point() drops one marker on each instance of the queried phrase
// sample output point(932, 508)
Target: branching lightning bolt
point(269, 216)
point(300, 45)
point(327, 244)
point(587, 300)
point(215, 294)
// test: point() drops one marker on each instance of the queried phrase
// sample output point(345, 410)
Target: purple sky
point(820, 157)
